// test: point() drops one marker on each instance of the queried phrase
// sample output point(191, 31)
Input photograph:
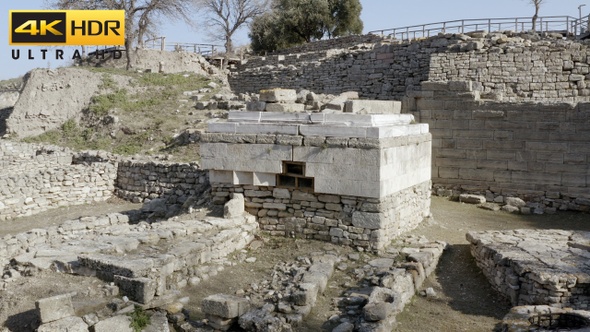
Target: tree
point(140, 15)
point(293, 22)
point(537, 4)
point(228, 16)
point(346, 16)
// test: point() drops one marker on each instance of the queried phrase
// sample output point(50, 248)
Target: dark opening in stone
point(559, 321)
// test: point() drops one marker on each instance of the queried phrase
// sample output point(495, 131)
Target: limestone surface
point(536, 267)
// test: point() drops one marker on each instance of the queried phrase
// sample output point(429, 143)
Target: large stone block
point(368, 220)
point(285, 108)
point(234, 207)
point(68, 324)
point(221, 176)
point(226, 306)
point(267, 128)
point(141, 290)
point(373, 107)
point(117, 323)
point(278, 95)
point(54, 308)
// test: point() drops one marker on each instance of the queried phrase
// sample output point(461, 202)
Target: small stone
point(510, 209)
point(490, 206)
point(354, 256)
point(472, 199)
point(514, 201)
point(430, 293)
point(251, 260)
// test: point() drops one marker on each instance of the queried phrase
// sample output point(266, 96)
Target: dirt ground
point(464, 301)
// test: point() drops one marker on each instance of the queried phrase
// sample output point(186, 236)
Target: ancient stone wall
point(535, 267)
point(138, 181)
point(36, 178)
point(155, 61)
point(329, 44)
point(511, 67)
point(539, 152)
point(385, 72)
point(346, 220)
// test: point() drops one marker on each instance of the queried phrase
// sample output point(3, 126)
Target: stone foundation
point(352, 179)
point(536, 267)
point(36, 178)
point(141, 181)
point(369, 223)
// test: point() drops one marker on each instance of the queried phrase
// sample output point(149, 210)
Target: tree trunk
point(535, 17)
point(128, 50)
point(228, 44)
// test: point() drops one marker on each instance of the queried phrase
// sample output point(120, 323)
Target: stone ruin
point(344, 177)
point(536, 267)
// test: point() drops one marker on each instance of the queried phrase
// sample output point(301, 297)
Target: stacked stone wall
point(329, 44)
point(346, 220)
point(141, 181)
point(535, 267)
point(384, 72)
point(539, 152)
point(36, 178)
point(523, 67)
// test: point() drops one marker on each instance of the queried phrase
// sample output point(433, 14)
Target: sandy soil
point(464, 302)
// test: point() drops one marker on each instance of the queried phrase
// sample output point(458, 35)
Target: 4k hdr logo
point(66, 27)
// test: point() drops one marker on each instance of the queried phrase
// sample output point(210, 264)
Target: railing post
point(444, 29)
point(163, 44)
point(489, 25)
point(516, 25)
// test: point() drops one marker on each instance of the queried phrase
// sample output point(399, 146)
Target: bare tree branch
point(226, 17)
point(140, 15)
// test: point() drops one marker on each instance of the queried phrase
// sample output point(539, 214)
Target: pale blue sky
point(376, 15)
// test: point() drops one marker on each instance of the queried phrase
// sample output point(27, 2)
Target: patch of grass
point(147, 115)
point(108, 83)
point(102, 104)
point(139, 319)
point(73, 136)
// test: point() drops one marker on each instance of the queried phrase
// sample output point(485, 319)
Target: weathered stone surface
point(278, 95)
point(118, 323)
point(56, 307)
point(367, 220)
point(158, 323)
point(374, 312)
point(472, 199)
point(534, 266)
point(514, 201)
point(226, 306)
point(68, 324)
point(141, 290)
point(287, 108)
point(235, 207)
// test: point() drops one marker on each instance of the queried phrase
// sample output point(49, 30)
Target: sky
point(376, 15)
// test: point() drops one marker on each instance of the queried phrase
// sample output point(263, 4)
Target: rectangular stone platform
point(367, 175)
point(536, 267)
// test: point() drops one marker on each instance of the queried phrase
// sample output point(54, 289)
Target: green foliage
point(293, 22)
point(139, 319)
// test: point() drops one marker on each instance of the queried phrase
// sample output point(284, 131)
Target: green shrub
point(139, 319)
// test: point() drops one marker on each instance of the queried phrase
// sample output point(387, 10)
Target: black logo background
point(19, 19)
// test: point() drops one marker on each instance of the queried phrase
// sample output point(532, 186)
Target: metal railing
point(567, 25)
point(203, 49)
